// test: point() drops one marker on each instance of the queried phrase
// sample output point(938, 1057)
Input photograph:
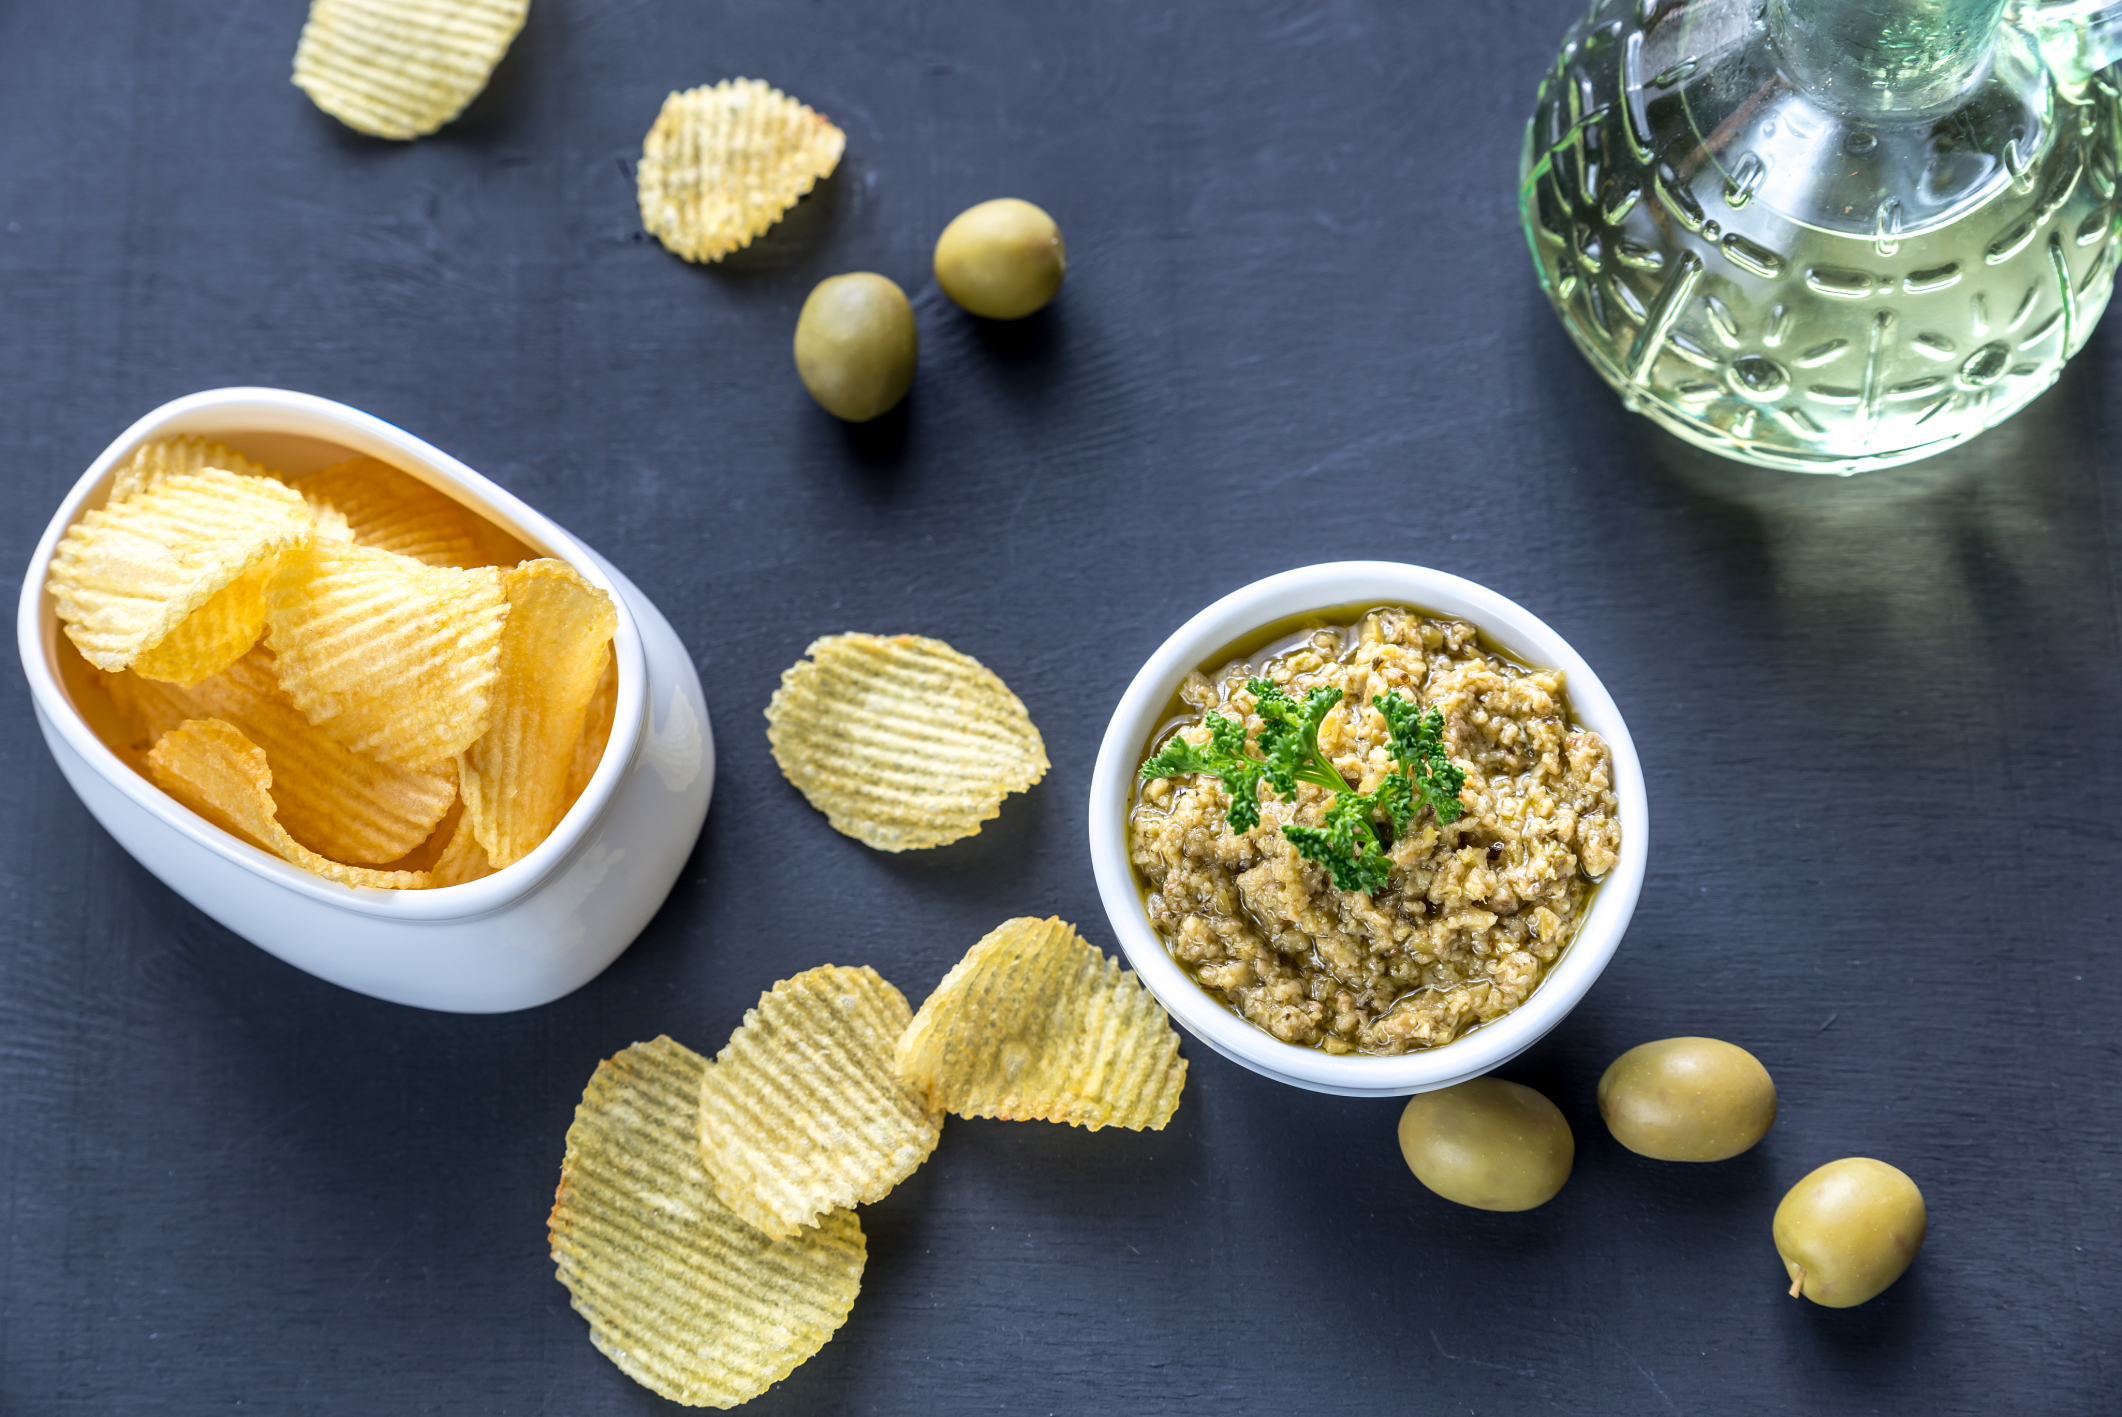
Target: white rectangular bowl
point(527, 934)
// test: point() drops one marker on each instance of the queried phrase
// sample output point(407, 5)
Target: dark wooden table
point(1879, 719)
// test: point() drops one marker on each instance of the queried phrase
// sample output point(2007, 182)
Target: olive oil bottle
point(1828, 235)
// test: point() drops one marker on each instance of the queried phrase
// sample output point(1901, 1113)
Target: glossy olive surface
point(1487, 1143)
point(1687, 1099)
point(856, 345)
point(1002, 259)
point(1848, 1230)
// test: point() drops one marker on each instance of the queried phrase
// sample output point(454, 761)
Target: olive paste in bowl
point(1368, 828)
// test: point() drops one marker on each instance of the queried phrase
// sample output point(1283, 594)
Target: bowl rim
point(1331, 585)
point(233, 412)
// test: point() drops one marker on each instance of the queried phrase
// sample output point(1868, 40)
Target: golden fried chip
point(87, 688)
point(1036, 1024)
point(425, 856)
point(393, 658)
point(393, 511)
point(167, 457)
point(686, 1298)
point(497, 547)
point(553, 648)
point(214, 635)
point(901, 741)
point(220, 774)
point(402, 68)
point(331, 799)
point(596, 730)
point(462, 860)
point(129, 575)
point(723, 162)
point(331, 523)
point(803, 1111)
point(150, 707)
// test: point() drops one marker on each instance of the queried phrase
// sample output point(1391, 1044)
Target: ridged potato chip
point(168, 457)
point(393, 511)
point(596, 731)
point(217, 772)
point(393, 658)
point(214, 635)
point(901, 741)
point(724, 162)
point(331, 799)
point(402, 68)
point(803, 1113)
point(424, 856)
point(1036, 1024)
point(553, 649)
point(129, 575)
point(497, 547)
point(462, 860)
point(687, 1299)
point(149, 707)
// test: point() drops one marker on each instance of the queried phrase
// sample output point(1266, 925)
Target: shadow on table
point(509, 88)
point(1019, 360)
point(1875, 1349)
point(1000, 844)
point(878, 447)
point(1021, 349)
point(2000, 538)
point(790, 242)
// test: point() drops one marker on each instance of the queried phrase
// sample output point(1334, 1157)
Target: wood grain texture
point(1877, 719)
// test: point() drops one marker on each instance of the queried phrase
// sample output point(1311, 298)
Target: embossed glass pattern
point(1826, 237)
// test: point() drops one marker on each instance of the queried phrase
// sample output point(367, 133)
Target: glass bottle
point(1828, 235)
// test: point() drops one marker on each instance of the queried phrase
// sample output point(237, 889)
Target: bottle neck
point(1884, 57)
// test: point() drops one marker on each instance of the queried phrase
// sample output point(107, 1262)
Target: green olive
point(1487, 1143)
point(1002, 259)
point(855, 345)
point(1848, 1230)
point(1687, 1099)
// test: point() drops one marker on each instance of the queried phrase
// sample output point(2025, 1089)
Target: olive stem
point(1797, 1282)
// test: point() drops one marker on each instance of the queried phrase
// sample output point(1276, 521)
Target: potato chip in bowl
point(361, 705)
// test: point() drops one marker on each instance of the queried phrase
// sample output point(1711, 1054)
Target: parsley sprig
point(1346, 842)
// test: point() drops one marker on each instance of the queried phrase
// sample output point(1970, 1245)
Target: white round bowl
point(523, 936)
point(1508, 625)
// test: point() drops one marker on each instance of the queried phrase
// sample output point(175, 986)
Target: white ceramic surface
point(523, 936)
point(1520, 633)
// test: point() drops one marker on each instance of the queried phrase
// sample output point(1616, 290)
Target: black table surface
point(1877, 716)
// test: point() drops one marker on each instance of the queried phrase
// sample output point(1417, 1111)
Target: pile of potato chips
point(334, 667)
point(704, 1221)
